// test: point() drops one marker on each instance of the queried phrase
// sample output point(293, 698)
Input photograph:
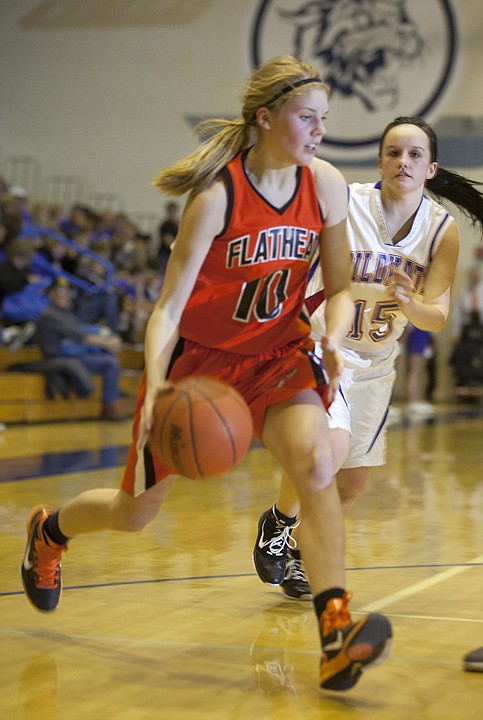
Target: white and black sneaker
point(270, 551)
point(295, 585)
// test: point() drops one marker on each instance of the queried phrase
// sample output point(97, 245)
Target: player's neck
point(399, 212)
point(274, 181)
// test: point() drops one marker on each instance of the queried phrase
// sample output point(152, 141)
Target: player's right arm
point(335, 266)
point(203, 219)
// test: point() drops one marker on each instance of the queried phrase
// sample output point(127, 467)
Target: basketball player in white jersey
point(404, 248)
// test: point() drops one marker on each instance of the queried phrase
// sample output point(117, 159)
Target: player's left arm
point(430, 311)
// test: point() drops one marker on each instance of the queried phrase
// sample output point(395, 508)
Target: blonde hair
point(271, 84)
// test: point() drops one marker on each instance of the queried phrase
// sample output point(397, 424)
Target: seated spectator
point(167, 232)
point(420, 353)
point(21, 201)
point(467, 356)
point(140, 287)
point(102, 306)
point(10, 226)
point(47, 215)
point(60, 333)
point(468, 301)
point(22, 293)
point(79, 218)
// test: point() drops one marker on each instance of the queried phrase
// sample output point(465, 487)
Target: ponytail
point(200, 168)
point(461, 191)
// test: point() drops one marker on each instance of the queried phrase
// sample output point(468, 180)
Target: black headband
point(292, 86)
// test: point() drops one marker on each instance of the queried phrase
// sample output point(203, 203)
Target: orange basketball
point(202, 427)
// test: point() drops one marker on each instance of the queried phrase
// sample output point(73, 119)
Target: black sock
point(321, 600)
point(52, 530)
point(284, 518)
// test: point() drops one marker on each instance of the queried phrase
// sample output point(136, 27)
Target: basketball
point(202, 427)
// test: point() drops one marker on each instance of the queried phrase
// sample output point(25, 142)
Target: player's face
point(296, 131)
point(405, 162)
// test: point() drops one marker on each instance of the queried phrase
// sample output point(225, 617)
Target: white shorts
point(362, 404)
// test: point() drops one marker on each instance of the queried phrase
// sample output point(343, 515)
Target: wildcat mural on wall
point(382, 58)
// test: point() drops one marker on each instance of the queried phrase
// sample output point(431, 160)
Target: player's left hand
point(334, 365)
point(401, 287)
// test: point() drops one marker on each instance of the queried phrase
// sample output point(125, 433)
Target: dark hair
point(446, 184)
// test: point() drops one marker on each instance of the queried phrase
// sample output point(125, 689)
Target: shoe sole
point(304, 598)
point(473, 667)
point(367, 645)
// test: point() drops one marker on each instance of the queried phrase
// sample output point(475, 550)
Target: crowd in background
point(80, 284)
point(116, 271)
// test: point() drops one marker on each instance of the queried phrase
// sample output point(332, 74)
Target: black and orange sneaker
point(41, 566)
point(349, 648)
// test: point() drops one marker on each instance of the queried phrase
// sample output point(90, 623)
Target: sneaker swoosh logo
point(262, 542)
point(335, 644)
point(28, 565)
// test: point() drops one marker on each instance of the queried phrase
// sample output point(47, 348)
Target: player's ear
point(263, 116)
point(432, 170)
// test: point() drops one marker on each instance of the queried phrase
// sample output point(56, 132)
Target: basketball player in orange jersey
point(233, 306)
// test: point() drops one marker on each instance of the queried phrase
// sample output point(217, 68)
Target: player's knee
point(316, 472)
point(351, 484)
point(135, 523)
point(133, 518)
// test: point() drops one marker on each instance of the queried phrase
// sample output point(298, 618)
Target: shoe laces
point(46, 564)
point(336, 615)
point(282, 537)
point(294, 570)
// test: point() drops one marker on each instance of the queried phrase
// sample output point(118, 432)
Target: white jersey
point(378, 322)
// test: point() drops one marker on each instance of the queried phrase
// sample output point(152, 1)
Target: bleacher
point(23, 394)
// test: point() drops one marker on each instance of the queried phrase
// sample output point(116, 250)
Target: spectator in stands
point(22, 292)
point(467, 357)
point(60, 333)
point(468, 301)
point(10, 225)
point(123, 242)
point(140, 287)
point(102, 306)
point(79, 218)
point(15, 269)
point(167, 232)
point(47, 215)
point(420, 356)
point(22, 202)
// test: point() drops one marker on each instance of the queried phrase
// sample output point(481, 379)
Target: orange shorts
point(263, 380)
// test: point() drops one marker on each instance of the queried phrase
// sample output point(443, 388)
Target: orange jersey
point(250, 293)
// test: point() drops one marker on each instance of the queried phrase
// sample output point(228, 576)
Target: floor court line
point(385, 602)
point(158, 581)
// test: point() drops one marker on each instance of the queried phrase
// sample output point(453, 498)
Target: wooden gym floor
point(173, 622)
